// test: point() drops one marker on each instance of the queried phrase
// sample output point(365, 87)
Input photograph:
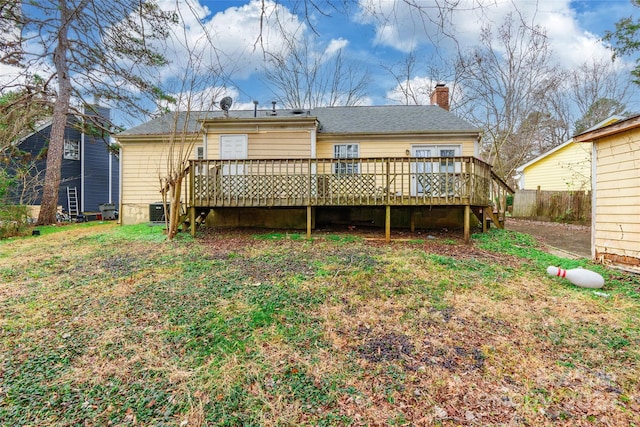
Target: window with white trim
point(71, 149)
point(346, 151)
point(199, 156)
point(431, 175)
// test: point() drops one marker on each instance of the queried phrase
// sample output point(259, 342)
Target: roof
point(46, 122)
point(592, 135)
point(41, 127)
point(163, 124)
point(387, 119)
point(612, 119)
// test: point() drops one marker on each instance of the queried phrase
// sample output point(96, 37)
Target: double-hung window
point(71, 149)
point(346, 151)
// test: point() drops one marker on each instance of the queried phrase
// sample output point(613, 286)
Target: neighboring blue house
point(88, 167)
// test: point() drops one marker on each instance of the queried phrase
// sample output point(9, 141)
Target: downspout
point(205, 146)
point(110, 172)
point(594, 171)
point(82, 169)
point(314, 154)
point(120, 204)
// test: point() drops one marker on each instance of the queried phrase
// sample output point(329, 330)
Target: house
point(89, 169)
point(401, 166)
point(566, 167)
point(615, 220)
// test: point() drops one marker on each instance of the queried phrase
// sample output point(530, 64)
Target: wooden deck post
point(192, 220)
point(387, 224)
point(484, 218)
point(467, 223)
point(309, 221)
point(412, 219)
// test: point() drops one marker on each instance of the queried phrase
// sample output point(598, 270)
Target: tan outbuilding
point(616, 193)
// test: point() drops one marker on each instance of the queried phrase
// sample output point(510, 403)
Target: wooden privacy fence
point(553, 205)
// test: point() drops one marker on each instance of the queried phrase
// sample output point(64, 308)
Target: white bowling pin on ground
point(578, 276)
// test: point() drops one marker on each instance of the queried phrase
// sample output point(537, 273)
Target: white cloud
point(235, 38)
point(402, 27)
point(418, 89)
point(10, 78)
point(397, 24)
point(335, 45)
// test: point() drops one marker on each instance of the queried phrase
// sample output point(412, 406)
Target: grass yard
point(106, 325)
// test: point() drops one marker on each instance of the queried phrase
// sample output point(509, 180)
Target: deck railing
point(397, 181)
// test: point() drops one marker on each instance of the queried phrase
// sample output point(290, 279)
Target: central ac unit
point(156, 212)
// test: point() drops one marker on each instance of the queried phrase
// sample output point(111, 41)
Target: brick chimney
point(440, 96)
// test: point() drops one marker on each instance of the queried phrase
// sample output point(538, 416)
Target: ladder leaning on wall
point(72, 201)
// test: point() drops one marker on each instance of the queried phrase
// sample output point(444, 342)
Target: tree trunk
point(49, 202)
point(174, 213)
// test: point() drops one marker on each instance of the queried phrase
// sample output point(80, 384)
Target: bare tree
point(404, 74)
point(509, 76)
point(195, 93)
point(21, 111)
point(11, 23)
point(84, 48)
point(598, 90)
point(300, 77)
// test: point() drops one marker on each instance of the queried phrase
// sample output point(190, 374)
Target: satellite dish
point(225, 103)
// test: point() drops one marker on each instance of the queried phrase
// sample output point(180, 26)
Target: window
point(199, 156)
point(447, 165)
point(435, 176)
point(71, 149)
point(346, 151)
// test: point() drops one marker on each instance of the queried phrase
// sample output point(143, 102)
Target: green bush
point(5, 182)
point(509, 199)
point(14, 220)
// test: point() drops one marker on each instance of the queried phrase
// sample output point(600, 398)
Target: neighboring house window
point(71, 149)
point(346, 151)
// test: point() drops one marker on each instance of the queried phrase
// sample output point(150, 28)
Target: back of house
point(329, 136)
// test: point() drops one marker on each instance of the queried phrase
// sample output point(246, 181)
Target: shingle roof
point(337, 120)
point(167, 122)
point(389, 119)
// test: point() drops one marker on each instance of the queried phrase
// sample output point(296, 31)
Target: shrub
point(14, 220)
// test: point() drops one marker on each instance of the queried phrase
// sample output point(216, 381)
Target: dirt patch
point(571, 239)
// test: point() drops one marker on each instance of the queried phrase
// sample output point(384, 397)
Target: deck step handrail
point(499, 191)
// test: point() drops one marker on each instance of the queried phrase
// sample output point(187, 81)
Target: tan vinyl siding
point(568, 169)
point(617, 206)
point(143, 163)
point(392, 147)
point(280, 145)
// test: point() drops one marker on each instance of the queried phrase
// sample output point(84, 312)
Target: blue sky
point(374, 41)
point(574, 29)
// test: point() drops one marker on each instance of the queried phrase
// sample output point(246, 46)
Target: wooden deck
point(403, 181)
